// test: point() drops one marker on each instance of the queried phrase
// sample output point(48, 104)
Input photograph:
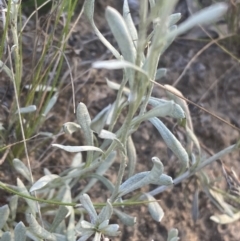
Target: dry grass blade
point(232, 179)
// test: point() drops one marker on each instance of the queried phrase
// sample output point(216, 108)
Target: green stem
point(117, 103)
point(55, 202)
point(120, 177)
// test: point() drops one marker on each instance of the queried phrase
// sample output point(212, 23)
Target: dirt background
point(212, 81)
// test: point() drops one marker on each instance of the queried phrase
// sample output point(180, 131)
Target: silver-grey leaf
point(125, 218)
point(89, 10)
point(43, 181)
point(21, 168)
point(37, 229)
point(172, 142)
point(105, 213)
point(71, 127)
point(154, 208)
point(172, 233)
point(205, 16)
point(88, 206)
point(20, 232)
point(129, 23)
point(100, 119)
point(77, 148)
point(50, 104)
point(60, 216)
point(4, 214)
point(13, 204)
point(6, 236)
point(132, 156)
point(123, 38)
point(32, 204)
point(27, 109)
point(195, 208)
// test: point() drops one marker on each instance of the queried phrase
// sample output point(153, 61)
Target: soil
point(211, 81)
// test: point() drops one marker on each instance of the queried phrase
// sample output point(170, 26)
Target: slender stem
point(145, 102)
point(55, 202)
point(117, 102)
point(119, 178)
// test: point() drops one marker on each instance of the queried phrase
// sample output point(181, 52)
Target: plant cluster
point(138, 57)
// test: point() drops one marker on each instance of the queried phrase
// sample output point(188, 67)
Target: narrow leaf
point(6, 236)
point(121, 34)
point(116, 86)
point(131, 182)
point(84, 120)
point(195, 208)
point(86, 225)
point(154, 208)
point(32, 204)
point(50, 104)
point(60, 216)
point(100, 119)
point(129, 23)
point(224, 205)
point(205, 16)
point(157, 169)
point(88, 11)
point(27, 109)
point(172, 233)
point(104, 181)
point(41, 88)
point(168, 108)
point(101, 170)
point(13, 204)
point(77, 148)
point(71, 127)
point(117, 64)
point(38, 230)
point(225, 219)
point(20, 232)
point(87, 204)
point(174, 18)
point(172, 142)
point(174, 95)
point(4, 214)
point(77, 160)
point(104, 134)
point(132, 156)
point(125, 218)
point(165, 180)
point(103, 224)
point(85, 236)
point(141, 179)
point(97, 236)
point(106, 212)
point(71, 226)
point(43, 181)
point(21, 168)
point(112, 230)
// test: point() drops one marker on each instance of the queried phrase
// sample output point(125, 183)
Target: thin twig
point(195, 57)
point(200, 107)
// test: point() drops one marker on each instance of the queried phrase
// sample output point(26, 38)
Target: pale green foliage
point(134, 94)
